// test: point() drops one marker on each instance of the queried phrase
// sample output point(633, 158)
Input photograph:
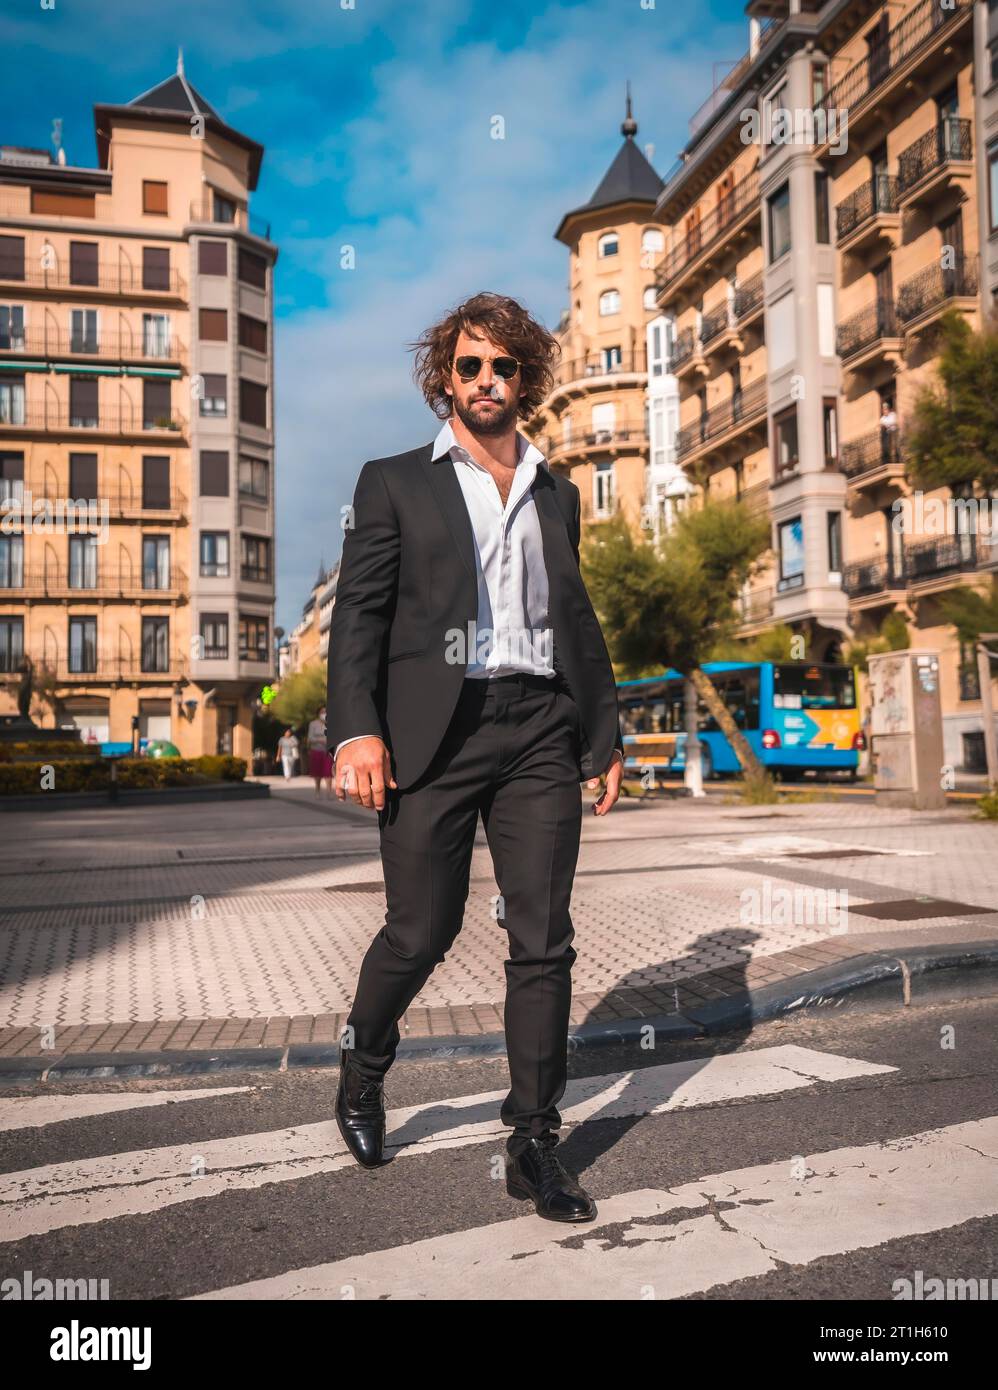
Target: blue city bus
point(797, 716)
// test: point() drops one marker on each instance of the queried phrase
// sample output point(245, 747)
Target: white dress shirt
point(512, 630)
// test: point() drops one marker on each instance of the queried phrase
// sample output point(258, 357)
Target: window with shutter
point(153, 196)
point(83, 262)
point(156, 482)
point(214, 473)
point(11, 257)
point(213, 258)
point(253, 403)
point(213, 325)
point(83, 412)
point(155, 268)
point(83, 477)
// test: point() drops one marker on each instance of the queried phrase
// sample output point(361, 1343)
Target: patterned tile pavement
point(245, 924)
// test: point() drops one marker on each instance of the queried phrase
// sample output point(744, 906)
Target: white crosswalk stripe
point(79, 1192)
point(688, 1239)
point(29, 1112)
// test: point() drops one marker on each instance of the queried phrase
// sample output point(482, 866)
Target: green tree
point(951, 436)
point(772, 644)
point(970, 611)
point(673, 603)
point(300, 695)
point(891, 636)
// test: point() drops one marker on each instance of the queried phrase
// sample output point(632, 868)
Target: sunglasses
point(468, 368)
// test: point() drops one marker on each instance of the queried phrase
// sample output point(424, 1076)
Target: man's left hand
point(614, 776)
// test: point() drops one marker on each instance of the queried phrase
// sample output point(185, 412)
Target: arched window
point(653, 239)
point(648, 299)
point(608, 245)
point(609, 302)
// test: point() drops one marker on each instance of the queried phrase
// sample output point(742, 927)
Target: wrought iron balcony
point(740, 408)
point(949, 142)
point(942, 555)
point(870, 576)
point(918, 27)
point(876, 322)
point(130, 281)
point(584, 369)
point(933, 286)
point(749, 297)
point(870, 451)
point(755, 606)
point(683, 348)
point(114, 347)
point(92, 582)
point(61, 419)
point(714, 322)
point(877, 196)
point(710, 232)
point(241, 218)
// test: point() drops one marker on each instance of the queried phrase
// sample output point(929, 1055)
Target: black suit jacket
point(408, 576)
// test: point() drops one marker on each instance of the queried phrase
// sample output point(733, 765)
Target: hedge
point(39, 751)
point(82, 775)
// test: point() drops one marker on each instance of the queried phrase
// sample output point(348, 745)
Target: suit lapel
point(450, 499)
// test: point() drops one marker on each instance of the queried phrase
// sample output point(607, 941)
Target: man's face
point(473, 401)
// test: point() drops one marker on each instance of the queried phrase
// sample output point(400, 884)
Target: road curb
point(825, 986)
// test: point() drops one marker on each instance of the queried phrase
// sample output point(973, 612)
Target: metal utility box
point(906, 728)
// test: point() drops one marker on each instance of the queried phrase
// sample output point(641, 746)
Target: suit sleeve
point(575, 537)
point(366, 591)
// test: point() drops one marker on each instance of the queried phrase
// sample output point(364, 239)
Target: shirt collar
point(445, 443)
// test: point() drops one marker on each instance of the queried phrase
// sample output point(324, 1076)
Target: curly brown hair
point(507, 324)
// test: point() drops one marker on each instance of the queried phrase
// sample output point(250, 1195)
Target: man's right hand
point(363, 770)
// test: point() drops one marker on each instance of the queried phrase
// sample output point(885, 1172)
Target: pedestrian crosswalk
point(666, 1244)
point(717, 1225)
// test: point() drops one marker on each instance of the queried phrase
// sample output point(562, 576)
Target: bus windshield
point(813, 687)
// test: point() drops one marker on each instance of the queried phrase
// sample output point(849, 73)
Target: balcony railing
point(917, 27)
point(102, 669)
point(870, 451)
point(944, 555)
point(949, 141)
point(870, 576)
point(876, 196)
point(59, 419)
point(755, 606)
point(934, 285)
point(748, 297)
point(206, 212)
point(714, 322)
point(878, 320)
point(711, 230)
point(34, 342)
point(738, 408)
point(596, 365)
point(683, 348)
point(131, 281)
point(98, 583)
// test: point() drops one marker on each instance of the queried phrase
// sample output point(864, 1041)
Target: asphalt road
point(817, 1157)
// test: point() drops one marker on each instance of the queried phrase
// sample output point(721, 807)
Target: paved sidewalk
point(243, 926)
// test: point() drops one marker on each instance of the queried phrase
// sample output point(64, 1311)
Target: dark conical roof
point(175, 101)
point(629, 179)
point(175, 94)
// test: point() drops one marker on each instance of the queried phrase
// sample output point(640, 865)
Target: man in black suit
point(468, 676)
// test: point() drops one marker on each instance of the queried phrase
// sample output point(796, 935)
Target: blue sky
point(376, 127)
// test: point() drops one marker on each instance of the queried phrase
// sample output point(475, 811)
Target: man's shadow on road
point(624, 1084)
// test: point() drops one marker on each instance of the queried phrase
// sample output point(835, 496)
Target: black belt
point(522, 679)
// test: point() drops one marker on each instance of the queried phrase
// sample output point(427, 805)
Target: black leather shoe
point(360, 1113)
point(539, 1174)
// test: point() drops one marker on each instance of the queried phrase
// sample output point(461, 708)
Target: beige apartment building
point(594, 424)
point(830, 205)
point(136, 382)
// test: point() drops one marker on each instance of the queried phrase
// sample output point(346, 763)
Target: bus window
point(813, 687)
point(742, 699)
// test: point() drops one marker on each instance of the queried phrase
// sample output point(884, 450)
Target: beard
point(487, 422)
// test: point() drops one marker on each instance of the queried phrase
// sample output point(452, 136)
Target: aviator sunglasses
point(469, 367)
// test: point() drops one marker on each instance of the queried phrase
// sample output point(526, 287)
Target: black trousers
point(509, 754)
